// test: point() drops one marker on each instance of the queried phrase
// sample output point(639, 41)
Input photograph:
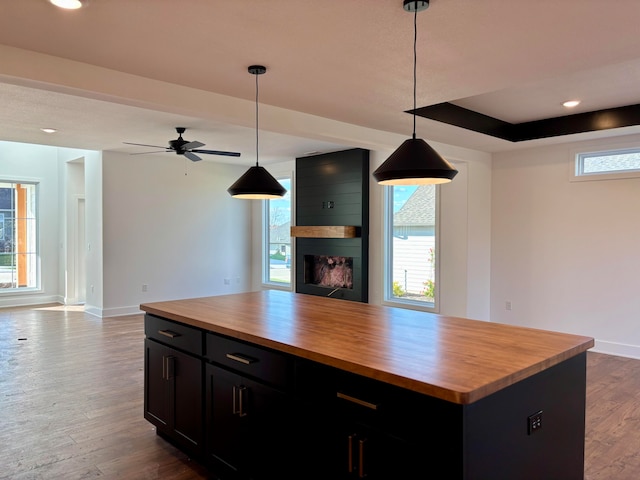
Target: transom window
point(618, 163)
point(18, 236)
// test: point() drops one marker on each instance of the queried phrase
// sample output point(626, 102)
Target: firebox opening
point(328, 271)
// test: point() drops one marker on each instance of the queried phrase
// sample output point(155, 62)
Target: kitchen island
point(275, 384)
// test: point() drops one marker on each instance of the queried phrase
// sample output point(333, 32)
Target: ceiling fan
point(184, 147)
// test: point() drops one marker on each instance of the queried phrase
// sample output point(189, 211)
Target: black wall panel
point(332, 189)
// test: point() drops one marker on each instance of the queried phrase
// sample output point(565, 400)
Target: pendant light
point(414, 162)
point(257, 183)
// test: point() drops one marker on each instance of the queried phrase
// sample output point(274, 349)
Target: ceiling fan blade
point(190, 145)
point(218, 152)
point(144, 145)
point(155, 151)
point(192, 156)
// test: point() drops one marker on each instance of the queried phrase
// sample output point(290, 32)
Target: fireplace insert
point(328, 271)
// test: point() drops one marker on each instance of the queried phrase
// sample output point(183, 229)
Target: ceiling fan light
point(257, 184)
point(415, 162)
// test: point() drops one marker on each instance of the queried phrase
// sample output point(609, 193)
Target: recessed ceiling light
point(68, 4)
point(49, 130)
point(571, 103)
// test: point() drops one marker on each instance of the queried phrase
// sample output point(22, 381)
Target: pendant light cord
point(415, 60)
point(256, 120)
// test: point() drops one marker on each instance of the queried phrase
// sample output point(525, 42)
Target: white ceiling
point(132, 70)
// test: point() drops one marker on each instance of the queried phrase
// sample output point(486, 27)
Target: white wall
point(94, 234)
point(172, 226)
point(565, 254)
point(146, 223)
point(37, 164)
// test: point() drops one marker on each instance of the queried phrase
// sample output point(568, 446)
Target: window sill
point(276, 286)
point(411, 305)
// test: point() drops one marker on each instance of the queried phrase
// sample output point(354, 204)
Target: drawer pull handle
point(168, 333)
point(241, 358)
point(364, 403)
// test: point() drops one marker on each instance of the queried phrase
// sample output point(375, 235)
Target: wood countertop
point(450, 358)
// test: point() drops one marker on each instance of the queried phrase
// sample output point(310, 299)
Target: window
point(277, 239)
point(18, 236)
point(411, 249)
point(608, 164)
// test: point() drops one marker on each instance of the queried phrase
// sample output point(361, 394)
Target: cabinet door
point(347, 441)
point(187, 399)
point(369, 453)
point(340, 449)
point(173, 394)
point(247, 425)
point(156, 387)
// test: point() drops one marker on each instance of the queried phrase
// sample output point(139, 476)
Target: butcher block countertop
point(454, 359)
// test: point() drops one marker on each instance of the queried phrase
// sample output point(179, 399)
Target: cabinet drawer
point(364, 400)
point(174, 334)
point(265, 365)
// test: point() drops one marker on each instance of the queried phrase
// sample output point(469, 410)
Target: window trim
point(577, 156)
point(387, 284)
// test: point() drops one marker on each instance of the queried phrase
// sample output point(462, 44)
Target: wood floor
point(71, 394)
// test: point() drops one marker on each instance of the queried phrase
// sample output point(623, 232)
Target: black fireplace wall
point(333, 190)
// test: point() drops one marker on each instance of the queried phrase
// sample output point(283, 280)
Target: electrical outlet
point(507, 305)
point(534, 423)
point(145, 287)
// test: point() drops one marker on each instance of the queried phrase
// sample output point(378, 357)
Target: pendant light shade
point(256, 183)
point(414, 162)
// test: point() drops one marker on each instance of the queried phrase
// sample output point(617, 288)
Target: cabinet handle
point(361, 445)
point(364, 403)
point(350, 453)
point(168, 368)
point(243, 392)
point(169, 333)
point(241, 358)
point(234, 400)
point(238, 394)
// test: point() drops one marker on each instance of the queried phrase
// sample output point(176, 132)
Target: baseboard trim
point(618, 349)
point(121, 311)
point(26, 300)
